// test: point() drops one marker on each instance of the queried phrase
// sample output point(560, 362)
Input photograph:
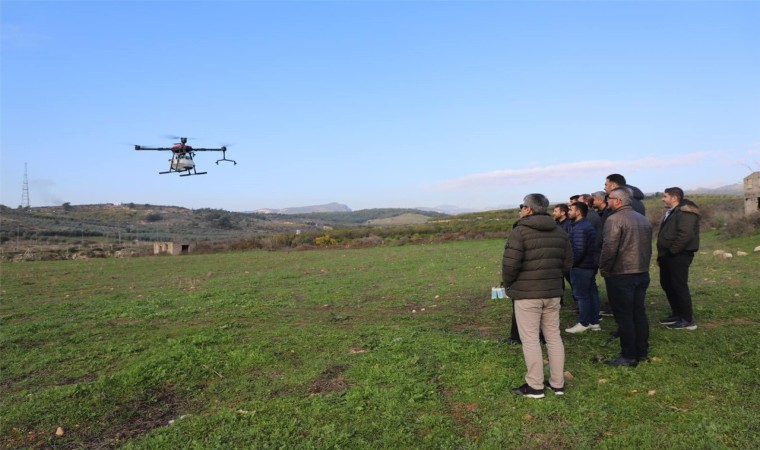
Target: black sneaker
point(511, 341)
point(527, 391)
point(642, 358)
point(683, 325)
point(622, 361)
point(669, 320)
point(557, 391)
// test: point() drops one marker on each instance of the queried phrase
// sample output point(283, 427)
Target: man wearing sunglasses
point(624, 264)
point(537, 255)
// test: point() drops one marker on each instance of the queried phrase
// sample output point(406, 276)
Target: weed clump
point(744, 226)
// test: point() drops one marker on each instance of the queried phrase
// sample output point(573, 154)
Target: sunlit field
point(385, 347)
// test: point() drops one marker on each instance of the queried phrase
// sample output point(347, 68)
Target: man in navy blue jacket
point(583, 274)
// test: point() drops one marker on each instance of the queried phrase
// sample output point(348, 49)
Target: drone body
point(182, 157)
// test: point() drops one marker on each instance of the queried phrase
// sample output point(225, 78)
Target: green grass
point(375, 348)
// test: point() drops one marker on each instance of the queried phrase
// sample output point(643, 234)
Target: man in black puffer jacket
point(677, 241)
point(537, 255)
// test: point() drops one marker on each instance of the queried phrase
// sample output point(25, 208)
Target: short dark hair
point(563, 207)
point(573, 198)
point(617, 179)
point(582, 207)
point(675, 192)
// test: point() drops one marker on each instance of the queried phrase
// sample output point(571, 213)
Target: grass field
point(386, 347)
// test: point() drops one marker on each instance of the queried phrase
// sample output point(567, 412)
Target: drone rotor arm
point(141, 147)
point(196, 149)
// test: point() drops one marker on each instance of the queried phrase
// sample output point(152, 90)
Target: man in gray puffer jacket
point(536, 258)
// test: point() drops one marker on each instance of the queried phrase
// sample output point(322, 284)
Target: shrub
point(325, 241)
point(745, 226)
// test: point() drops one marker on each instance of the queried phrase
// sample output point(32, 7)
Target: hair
point(581, 207)
point(563, 207)
point(617, 179)
point(675, 192)
point(625, 194)
point(601, 195)
point(574, 198)
point(537, 202)
point(587, 199)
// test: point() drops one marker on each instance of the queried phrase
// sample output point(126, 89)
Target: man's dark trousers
point(674, 279)
point(627, 294)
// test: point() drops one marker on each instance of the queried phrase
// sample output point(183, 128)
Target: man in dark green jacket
point(537, 255)
point(677, 241)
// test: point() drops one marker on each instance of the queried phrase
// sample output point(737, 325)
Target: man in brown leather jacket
point(624, 264)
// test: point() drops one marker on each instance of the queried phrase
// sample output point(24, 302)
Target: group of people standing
point(606, 232)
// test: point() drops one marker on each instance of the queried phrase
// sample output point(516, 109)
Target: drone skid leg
point(224, 158)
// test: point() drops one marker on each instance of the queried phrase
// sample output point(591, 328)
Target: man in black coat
point(677, 241)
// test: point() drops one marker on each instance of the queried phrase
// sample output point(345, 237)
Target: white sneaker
point(577, 328)
point(595, 327)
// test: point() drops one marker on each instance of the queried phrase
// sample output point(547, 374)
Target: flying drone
point(182, 157)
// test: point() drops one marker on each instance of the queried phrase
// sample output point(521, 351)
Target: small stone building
point(752, 193)
point(171, 248)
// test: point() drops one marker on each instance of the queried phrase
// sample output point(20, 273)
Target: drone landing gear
point(224, 157)
point(194, 173)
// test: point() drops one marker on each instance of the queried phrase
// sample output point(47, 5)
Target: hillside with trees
point(66, 230)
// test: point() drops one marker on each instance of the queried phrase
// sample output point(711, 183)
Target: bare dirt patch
point(330, 381)
point(136, 418)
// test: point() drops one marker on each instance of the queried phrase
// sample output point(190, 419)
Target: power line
point(25, 190)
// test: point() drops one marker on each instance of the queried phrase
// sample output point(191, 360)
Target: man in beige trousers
point(537, 255)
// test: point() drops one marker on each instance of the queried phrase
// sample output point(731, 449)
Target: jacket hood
point(689, 206)
point(540, 222)
point(637, 194)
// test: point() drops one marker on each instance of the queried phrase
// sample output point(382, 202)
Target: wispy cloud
point(529, 175)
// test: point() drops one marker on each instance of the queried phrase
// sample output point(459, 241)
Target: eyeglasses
point(523, 206)
point(613, 198)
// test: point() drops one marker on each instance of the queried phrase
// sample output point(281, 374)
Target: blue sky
point(375, 104)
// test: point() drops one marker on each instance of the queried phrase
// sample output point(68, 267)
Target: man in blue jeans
point(624, 264)
point(583, 274)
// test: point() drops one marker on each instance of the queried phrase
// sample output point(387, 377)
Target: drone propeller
point(177, 138)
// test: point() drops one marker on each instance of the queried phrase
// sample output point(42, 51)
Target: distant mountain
point(330, 207)
point(729, 189)
point(454, 210)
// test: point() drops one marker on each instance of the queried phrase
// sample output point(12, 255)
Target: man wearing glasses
point(624, 264)
point(536, 257)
